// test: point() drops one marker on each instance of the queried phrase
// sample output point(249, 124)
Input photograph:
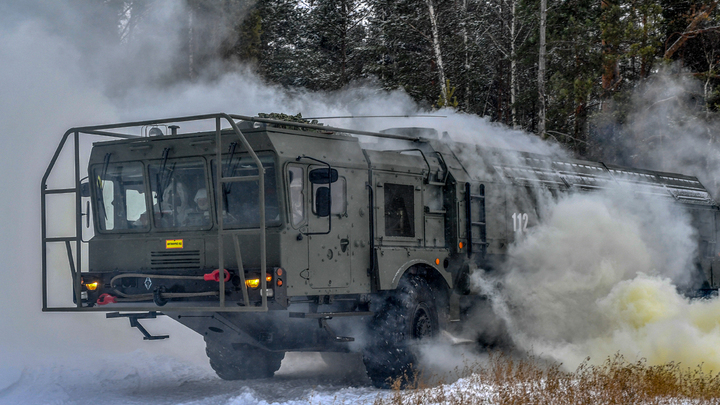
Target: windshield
point(120, 196)
point(240, 198)
point(179, 194)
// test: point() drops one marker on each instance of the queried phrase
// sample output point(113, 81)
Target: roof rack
point(102, 129)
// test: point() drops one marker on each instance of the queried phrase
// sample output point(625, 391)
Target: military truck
point(267, 236)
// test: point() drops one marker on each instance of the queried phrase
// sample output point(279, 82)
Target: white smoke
point(668, 128)
point(601, 272)
point(599, 276)
point(581, 283)
point(61, 65)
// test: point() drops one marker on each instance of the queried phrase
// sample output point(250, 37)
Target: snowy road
point(140, 378)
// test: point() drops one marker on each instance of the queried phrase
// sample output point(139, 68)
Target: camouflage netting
point(289, 118)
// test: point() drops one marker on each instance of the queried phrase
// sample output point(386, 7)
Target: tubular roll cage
point(75, 263)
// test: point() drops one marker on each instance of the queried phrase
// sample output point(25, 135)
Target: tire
point(406, 316)
point(242, 362)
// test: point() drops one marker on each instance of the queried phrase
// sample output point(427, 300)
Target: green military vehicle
point(267, 236)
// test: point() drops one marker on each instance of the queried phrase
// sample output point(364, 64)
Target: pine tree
point(283, 44)
point(336, 33)
point(400, 48)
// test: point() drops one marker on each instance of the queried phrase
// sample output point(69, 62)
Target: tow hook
point(157, 296)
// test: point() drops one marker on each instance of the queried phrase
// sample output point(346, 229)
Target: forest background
point(629, 82)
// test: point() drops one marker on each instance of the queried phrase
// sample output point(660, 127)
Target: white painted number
point(520, 222)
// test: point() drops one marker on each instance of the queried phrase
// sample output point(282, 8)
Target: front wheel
point(242, 362)
point(406, 316)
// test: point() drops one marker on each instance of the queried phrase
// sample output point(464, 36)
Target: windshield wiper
point(106, 163)
point(228, 170)
point(161, 179)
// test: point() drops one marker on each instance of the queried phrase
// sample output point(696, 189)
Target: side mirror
point(322, 201)
point(85, 189)
point(323, 176)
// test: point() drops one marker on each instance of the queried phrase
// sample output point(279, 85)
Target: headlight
point(255, 282)
point(89, 286)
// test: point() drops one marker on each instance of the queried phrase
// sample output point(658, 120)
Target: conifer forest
point(611, 80)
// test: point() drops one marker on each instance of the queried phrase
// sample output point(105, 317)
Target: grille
point(189, 259)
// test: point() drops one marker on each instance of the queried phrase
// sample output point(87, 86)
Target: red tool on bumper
point(105, 299)
point(215, 276)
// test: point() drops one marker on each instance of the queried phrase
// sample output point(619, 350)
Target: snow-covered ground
point(141, 377)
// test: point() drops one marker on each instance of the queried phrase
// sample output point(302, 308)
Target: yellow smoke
point(649, 319)
point(596, 277)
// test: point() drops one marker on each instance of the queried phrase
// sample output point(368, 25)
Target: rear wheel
point(405, 317)
point(242, 362)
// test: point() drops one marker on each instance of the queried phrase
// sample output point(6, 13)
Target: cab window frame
point(384, 178)
point(96, 170)
point(290, 199)
point(339, 184)
point(208, 190)
point(279, 190)
point(399, 193)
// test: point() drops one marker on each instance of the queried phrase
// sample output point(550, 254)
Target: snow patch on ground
point(141, 377)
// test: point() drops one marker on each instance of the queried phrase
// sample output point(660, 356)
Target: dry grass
point(505, 380)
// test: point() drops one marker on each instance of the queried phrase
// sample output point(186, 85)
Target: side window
point(399, 210)
point(107, 199)
point(240, 199)
point(296, 185)
point(338, 198)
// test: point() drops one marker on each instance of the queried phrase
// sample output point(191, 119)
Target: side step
point(136, 324)
point(323, 317)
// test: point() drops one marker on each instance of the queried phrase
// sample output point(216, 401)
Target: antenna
point(375, 116)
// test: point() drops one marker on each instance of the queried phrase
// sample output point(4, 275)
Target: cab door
point(329, 230)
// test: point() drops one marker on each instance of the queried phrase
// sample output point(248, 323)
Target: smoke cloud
point(595, 277)
point(667, 127)
point(63, 65)
point(602, 271)
point(599, 276)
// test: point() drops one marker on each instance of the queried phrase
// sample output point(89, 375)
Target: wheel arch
point(438, 279)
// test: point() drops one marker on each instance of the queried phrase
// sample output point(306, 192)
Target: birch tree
point(510, 34)
point(438, 52)
point(541, 68)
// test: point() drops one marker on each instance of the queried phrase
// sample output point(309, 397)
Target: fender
point(400, 272)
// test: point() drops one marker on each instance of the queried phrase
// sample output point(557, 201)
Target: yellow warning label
point(174, 244)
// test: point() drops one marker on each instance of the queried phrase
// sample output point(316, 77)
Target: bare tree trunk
point(467, 56)
point(513, 68)
point(541, 69)
point(643, 58)
point(611, 69)
point(438, 54)
point(191, 45)
point(700, 16)
point(343, 45)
